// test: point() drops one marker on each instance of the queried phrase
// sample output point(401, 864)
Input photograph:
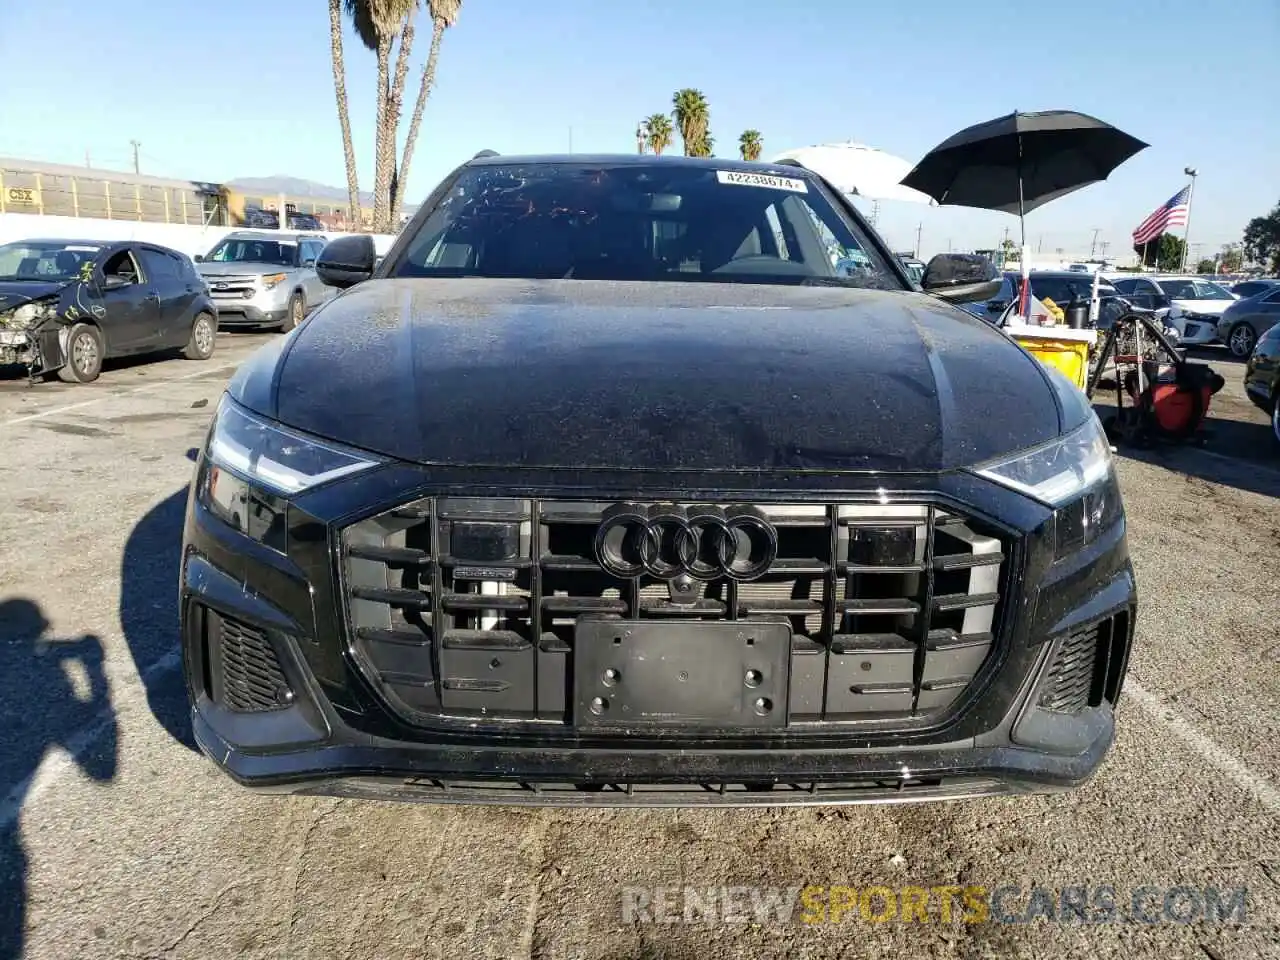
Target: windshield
point(642, 221)
point(53, 260)
point(1194, 290)
point(253, 250)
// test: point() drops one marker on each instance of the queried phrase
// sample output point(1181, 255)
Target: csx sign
point(24, 195)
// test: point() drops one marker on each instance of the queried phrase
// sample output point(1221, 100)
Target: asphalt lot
point(118, 840)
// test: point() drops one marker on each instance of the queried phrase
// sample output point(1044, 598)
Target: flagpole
point(1186, 236)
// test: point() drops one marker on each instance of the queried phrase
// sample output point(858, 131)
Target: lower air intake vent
point(250, 678)
point(1087, 668)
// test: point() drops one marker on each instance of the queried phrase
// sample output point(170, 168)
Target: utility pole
point(1093, 244)
point(919, 230)
point(571, 139)
point(135, 144)
point(875, 211)
point(86, 157)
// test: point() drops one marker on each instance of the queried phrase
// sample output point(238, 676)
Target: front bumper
point(233, 313)
point(1196, 331)
point(333, 735)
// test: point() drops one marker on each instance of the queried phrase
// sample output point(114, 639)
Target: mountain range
point(293, 187)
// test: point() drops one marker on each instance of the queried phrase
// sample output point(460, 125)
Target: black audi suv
point(637, 480)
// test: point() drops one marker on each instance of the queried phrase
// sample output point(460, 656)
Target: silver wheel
point(203, 334)
point(1241, 340)
point(84, 353)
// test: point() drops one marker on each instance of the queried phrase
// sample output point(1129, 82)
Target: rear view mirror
point(347, 261)
point(961, 278)
point(199, 258)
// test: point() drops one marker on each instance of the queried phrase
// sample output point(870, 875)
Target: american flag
point(1173, 213)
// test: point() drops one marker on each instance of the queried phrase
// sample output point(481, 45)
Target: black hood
point(14, 293)
point(645, 376)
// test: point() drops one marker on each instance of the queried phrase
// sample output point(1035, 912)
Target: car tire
point(1241, 340)
point(296, 311)
point(1275, 421)
point(84, 355)
point(204, 336)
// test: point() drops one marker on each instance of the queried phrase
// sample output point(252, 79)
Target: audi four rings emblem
point(668, 541)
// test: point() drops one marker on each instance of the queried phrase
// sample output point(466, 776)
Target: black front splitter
point(550, 776)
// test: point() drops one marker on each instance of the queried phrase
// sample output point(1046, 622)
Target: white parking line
point(1254, 783)
point(112, 396)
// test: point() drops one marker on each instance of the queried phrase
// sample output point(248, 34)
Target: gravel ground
point(118, 840)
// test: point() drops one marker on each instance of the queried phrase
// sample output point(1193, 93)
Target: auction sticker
point(761, 180)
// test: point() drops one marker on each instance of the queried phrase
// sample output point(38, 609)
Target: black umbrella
point(1022, 161)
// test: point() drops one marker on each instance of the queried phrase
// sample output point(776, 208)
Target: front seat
point(68, 263)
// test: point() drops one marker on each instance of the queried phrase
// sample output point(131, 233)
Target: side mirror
point(961, 278)
point(114, 283)
point(198, 258)
point(347, 261)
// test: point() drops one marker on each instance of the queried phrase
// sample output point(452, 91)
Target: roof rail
point(486, 153)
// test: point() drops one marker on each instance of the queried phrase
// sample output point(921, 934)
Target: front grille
point(246, 674)
point(1087, 667)
point(231, 287)
point(893, 608)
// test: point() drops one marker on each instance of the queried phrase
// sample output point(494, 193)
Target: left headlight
point(276, 458)
point(1057, 472)
point(27, 314)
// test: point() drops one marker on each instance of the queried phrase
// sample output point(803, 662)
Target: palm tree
point(444, 13)
point(705, 147)
point(692, 116)
point(344, 117)
point(658, 129)
point(379, 24)
point(750, 144)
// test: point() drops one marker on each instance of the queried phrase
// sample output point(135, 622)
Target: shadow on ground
point(149, 611)
point(53, 696)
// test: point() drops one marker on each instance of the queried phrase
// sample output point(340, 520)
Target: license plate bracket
point(650, 673)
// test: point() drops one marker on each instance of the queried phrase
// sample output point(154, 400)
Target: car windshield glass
point(252, 250)
point(53, 260)
point(1194, 290)
point(641, 221)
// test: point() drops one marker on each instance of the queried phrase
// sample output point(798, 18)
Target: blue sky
point(244, 88)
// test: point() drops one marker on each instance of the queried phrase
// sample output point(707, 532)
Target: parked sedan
point(67, 305)
point(1245, 321)
point(1262, 377)
point(1251, 288)
point(1194, 304)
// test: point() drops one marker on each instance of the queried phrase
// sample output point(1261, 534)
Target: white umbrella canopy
point(859, 170)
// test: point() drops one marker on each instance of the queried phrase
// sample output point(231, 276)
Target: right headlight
point(1059, 471)
point(275, 458)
